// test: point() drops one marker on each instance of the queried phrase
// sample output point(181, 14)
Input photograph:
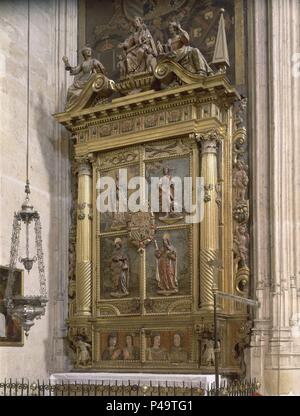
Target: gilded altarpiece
point(125, 313)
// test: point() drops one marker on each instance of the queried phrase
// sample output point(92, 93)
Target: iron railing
point(24, 387)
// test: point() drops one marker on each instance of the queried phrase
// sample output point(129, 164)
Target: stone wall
point(53, 33)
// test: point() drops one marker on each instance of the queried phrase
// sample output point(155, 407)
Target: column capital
point(84, 164)
point(208, 140)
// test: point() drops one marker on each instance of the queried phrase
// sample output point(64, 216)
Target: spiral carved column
point(209, 225)
point(84, 240)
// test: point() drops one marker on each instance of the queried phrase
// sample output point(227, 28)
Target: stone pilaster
point(274, 37)
point(64, 44)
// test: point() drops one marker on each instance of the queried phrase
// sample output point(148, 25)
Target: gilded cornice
point(205, 90)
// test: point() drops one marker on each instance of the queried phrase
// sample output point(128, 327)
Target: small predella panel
point(120, 346)
point(168, 346)
point(145, 347)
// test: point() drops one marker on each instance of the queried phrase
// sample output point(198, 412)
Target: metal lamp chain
point(15, 239)
point(28, 92)
point(26, 308)
point(40, 255)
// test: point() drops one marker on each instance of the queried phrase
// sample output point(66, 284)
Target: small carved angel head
point(118, 242)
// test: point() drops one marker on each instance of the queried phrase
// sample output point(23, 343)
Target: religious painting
point(116, 221)
point(120, 346)
point(168, 346)
point(119, 268)
point(108, 23)
point(168, 264)
point(170, 174)
point(11, 332)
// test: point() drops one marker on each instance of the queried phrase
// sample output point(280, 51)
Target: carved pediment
point(169, 72)
point(97, 89)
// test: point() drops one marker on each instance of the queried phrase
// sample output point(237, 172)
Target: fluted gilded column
point(84, 240)
point(209, 225)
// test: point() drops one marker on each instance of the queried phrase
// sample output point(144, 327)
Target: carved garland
point(240, 182)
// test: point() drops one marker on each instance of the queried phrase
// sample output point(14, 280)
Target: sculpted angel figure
point(139, 50)
point(178, 48)
point(240, 180)
point(82, 73)
point(241, 245)
point(208, 353)
point(166, 267)
point(83, 351)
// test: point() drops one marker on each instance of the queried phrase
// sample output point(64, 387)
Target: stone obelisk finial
point(221, 57)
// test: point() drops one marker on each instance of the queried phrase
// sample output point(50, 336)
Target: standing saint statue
point(139, 51)
point(166, 267)
point(178, 48)
point(166, 191)
point(119, 218)
point(120, 271)
point(167, 201)
point(82, 72)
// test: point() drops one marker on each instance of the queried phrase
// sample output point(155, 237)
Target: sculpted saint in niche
point(119, 219)
point(167, 201)
point(166, 267)
point(119, 265)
